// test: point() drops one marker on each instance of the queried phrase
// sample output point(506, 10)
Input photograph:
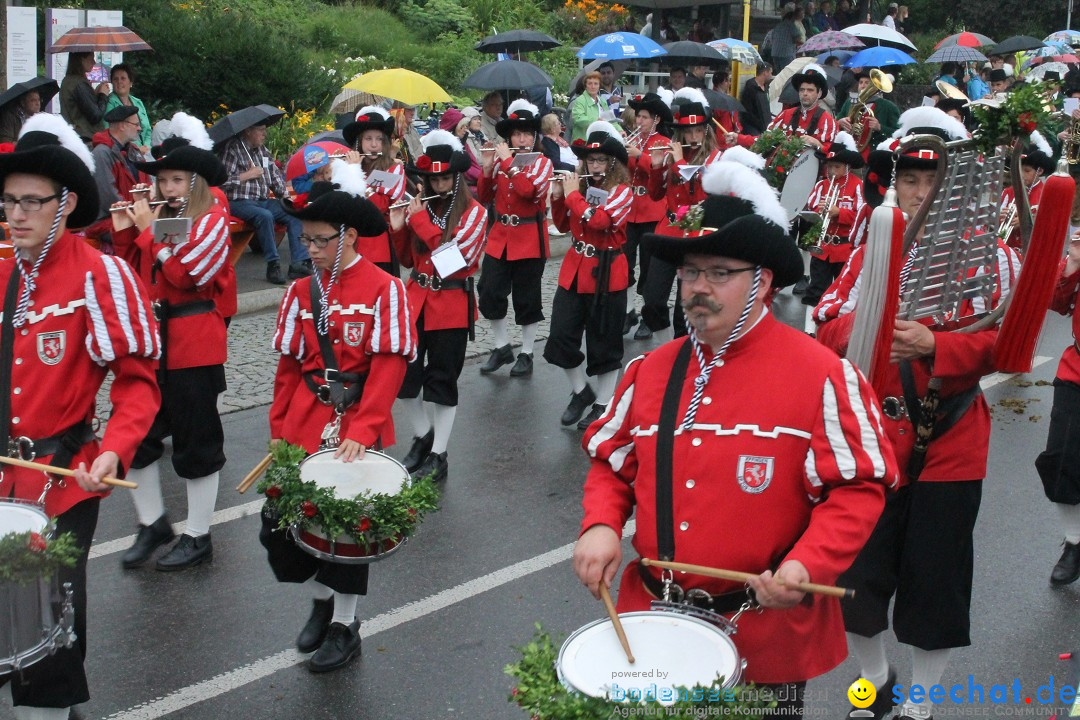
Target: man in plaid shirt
point(252, 175)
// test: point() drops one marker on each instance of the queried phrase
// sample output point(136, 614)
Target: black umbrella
point(508, 75)
point(721, 101)
point(687, 52)
point(235, 123)
point(45, 87)
point(1016, 43)
point(517, 41)
point(332, 135)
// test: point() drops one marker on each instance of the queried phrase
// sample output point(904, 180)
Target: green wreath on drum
point(375, 522)
point(781, 151)
point(1015, 116)
point(27, 556)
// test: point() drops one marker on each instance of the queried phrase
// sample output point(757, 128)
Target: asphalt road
point(443, 616)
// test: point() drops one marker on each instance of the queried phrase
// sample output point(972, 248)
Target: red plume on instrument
point(1014, 350)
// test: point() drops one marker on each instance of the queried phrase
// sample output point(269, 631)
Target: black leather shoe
point(434, 466)
point(595, 414)
point(883, 703)
point(523, 366)
point(498, 358)
point(643, 332)
point(421, 448)
point(150, 538)
point(579, 403)
point(801, 286)
point(273, 273)
point(1067, 569)
point(300, 269)
point(188, 552)
point(341, 645)
point(629, 322)
point(314, 632)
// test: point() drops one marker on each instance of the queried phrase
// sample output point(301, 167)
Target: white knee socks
point(809, 326)
point(498, 329)
point(201, 498)
point(444, 425)
point(29, 712)
point(870, 652)
point(605, 387)
point(927, 667)
point(528, 337)
point(344, 608)
point(417, 414)
point(318, 590)
point(1069, 517)
point(147, 497)
point(576, 376)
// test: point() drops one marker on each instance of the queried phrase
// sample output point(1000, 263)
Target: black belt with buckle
point(671, 217)
point(434, 282)
point(515, 220)
point(640, 190)
point(584, 248)
point(322, 391)
point(163, 310)
point(894, 408)
point(833, 240)
point(721, 604)
point(26, 448)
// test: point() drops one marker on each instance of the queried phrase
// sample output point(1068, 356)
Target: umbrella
point(235, 123)
point(879, 35)
point(879, 57)
point(517, 41)
point(841, 55)
point(349, 100)
point(965, 39)
point(400, 84)
point(1069, 37)
point(738, 50)
point(783, 78)
point(692, 53)
point(311, 156)
point(1015, 44)
point(331, 135)
point(45, 87)
point(831, 40)
point(105, 39)
point(1038, 72)
point(790, 94)
point(619, 66)
point(956, 53)
point(722, 101)
point(1067, 58)
point(621, 46)
point(507, 75)
point(1050, 50)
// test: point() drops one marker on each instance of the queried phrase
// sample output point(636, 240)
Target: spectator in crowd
point(406, 138)
point(492, 106)
point(696, 77)
point(832, 61)
point(123, 79)
point(115, 154)
point(667, 32)
point(253, 174)
point(755, 98)
point(81, 105)
point(588, 107)
point(845, 15)
point(809, 11)
point(454, 121)
point(610, 91)
point(999, 81)
point(15, 113)
point(901, 19)
point(889, 20)
point(552, 142)
point(978, 86)
point(629, 25)
point(676, 78)
point(647, 29)
point(949, 71)
point(475, 125)
point(823, 18)
point(787, 36)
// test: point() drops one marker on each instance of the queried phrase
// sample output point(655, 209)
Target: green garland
point(1022, 111)
point(810, 238)
point(539, 693)
point(25, 557)
point(376, 520)
point(782, 150)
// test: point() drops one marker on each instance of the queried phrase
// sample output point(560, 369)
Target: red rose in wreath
point(309, 509)
point(780, 169)
point(273, 492)
point(36, 543)
point(423, 162)
point(1026, 122)
point(365, 525)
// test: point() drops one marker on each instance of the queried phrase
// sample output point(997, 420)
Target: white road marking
point(991, 380)
point(221, 516)
point(207, 689)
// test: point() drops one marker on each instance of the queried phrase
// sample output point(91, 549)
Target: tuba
point(879, 82)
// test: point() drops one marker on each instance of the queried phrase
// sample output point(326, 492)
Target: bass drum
point(800, 183)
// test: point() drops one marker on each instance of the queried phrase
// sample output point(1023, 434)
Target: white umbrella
point(1038, 71)
point(879, 35)
point(780, 80)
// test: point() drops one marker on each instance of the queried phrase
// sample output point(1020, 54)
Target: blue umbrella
point(878, 57)
point(1071, 37)
point(621, 46)
point(842, 55)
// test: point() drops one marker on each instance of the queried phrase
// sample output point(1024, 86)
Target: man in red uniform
point(922, 548)
point(808, 119)
point(1035, 164)
point(783, 479)
point(72, 315)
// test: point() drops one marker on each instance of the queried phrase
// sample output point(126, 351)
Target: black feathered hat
point(521, 115)
point(188, 148)
point(443, 154)
point(653, 103)
point(369, 117)
point(601, 137)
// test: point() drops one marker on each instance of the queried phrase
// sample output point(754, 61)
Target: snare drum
point(687, 650)
point(375, 473)
point(29, 627)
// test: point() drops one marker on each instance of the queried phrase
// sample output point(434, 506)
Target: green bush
point(431, 18)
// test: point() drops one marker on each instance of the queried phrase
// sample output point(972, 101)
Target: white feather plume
point(921, 117)
point(814, 67)
point(693, 95)
point(370, 110)
point(666, 95)
point(349, 178)
point(441, 137)
point(56, 125)
point(1040, 144)
point(191, 129)
point(739, 154)
point(605, 127)
point(735, 179)
point(846, 140)
point(522, 104)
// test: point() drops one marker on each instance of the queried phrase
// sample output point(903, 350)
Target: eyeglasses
point(28, 204)
point(715, 276)
point(137, 125)
point(317, 241)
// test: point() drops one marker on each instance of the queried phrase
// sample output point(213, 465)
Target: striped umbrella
point(956, 53)
point(99, 39)
point(831, 40)
point(965, 39)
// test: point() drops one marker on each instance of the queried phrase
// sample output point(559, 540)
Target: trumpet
point(812, 244)
point(1071, 149)
point(153, 203)
point(406, 203)
point(1005, 228)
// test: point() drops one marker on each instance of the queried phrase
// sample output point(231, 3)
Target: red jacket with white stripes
point(729, 122)
point(372, 332)
point(605, 230)
point(89, 315)
point(667, 184)
point(524, 195)
point(850, 202)
point(188, 272)
point(790, 469)
point(449, 308)
point(645, 209)
point(826, 127)
point(960, 360)
point(376, 248)
point(1066, 293)
point(1034, 197)
point(860, 226)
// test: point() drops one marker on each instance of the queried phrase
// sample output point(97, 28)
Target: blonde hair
point(617, 173)
point(198, 203)
point(707, 145)
point(549, 124)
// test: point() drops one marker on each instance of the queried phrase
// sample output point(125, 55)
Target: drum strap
point(7, 354)
point(815, 120)
point(331, 373)
point(665, 454)
point(930, 425)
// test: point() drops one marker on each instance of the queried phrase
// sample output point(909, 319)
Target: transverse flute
point(343, 155)
point(406, 203)
point(152, 204)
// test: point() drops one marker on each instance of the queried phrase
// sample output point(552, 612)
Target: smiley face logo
point(862, 693)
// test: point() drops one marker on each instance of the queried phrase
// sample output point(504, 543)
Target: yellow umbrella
point(400, 84)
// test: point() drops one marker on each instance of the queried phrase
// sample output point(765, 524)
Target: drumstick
point(735, 575)
point(722, 128)
point(17, 462)
point(252, 476)
point(606, 597)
